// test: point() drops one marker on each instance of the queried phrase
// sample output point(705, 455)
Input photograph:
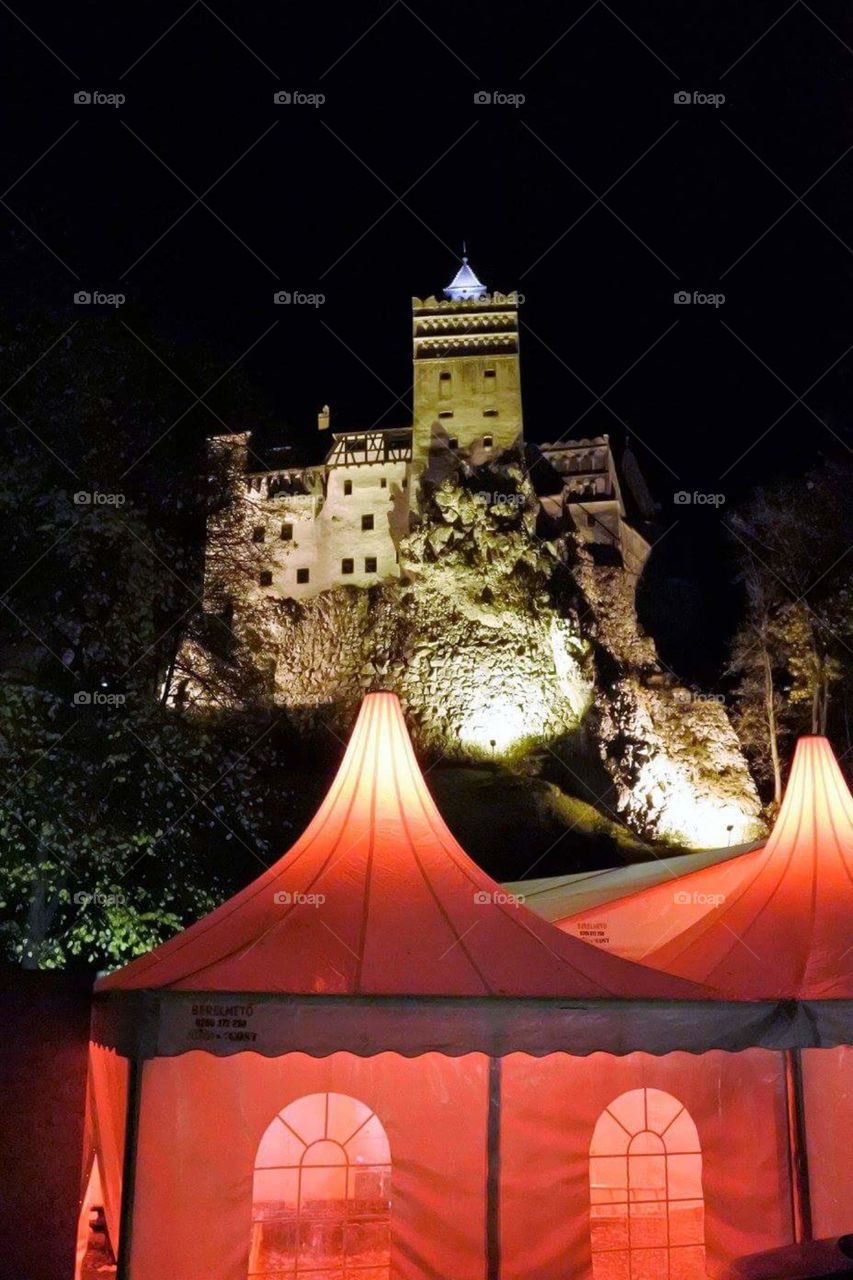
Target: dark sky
point(598, 198)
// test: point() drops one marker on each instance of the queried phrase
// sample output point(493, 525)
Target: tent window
point(647, 1210)
point(321, 1203)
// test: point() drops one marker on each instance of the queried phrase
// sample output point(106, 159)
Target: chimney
point(323, 418)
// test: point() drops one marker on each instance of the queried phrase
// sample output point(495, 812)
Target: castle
point(340, 522)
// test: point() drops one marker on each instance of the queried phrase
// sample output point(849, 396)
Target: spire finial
point(464, 251)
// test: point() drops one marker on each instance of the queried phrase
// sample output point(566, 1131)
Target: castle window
point(258, 533)
point(445, 413)
point(646, 1203)
point(404, 483)
point(265, 578)
point(347, 488)
point(590, 521)
point(367, 522)
point(383, 483)
point(370, 564)
point(444, 385)
point(303, 575)
point(453, 443)
point(490, 413)
point(287, 533)
point(488, 373)
point(488, 441)
point(347, 566)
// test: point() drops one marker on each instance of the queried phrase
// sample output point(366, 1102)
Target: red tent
point(772, 923)
point(372, 1062)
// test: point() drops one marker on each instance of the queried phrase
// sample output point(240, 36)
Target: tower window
point(453, 443)
point(404, 483)
point(445, 413)
point(347, 488)
point(488, 441)
point(370, 564)
point(367, 522)
point(590, 521)
point(347, 566)
point(488, 373)
point(287, 533)
point(444, 385)
point(490, 413)
point(383, 483)
point(302, 575)
point(258, 533)
point(265, 578)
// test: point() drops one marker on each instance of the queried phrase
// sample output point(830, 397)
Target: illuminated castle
point(304, 530)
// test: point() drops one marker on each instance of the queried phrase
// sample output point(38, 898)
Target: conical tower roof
point(776, 923)
point(378, 898)
point(465, 285)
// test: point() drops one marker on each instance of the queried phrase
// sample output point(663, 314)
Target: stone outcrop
point(498, 644)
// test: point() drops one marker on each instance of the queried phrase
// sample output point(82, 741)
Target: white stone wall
point(326, 530)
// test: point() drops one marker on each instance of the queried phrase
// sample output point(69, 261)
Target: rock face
point(498, 644)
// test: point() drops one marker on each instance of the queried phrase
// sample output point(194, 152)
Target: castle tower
point(467, 384)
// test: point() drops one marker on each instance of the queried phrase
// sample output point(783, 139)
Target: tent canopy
point(378, 898)
point(774, 923)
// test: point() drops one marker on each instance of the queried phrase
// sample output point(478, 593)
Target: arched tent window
point(321, 1202)
point(647, 1212)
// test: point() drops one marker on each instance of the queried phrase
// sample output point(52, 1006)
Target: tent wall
point(202, 1119)
point(549, 1113)
point(828, 1105)
point(45, 1024)
point(108, 1085)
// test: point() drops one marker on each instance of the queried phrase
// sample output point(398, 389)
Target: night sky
point(598, 198)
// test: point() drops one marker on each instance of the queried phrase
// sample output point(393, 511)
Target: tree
point(793, 647)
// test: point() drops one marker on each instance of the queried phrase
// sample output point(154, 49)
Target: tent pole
point(493, 1173)
point(128, 1177)
point(797, 1149)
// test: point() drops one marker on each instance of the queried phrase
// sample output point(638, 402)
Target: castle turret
point(467, 384)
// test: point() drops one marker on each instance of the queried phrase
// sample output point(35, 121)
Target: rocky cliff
point(501, 646)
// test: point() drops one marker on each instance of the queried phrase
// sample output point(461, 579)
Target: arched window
point(321, 1200)
point(647, 1212)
